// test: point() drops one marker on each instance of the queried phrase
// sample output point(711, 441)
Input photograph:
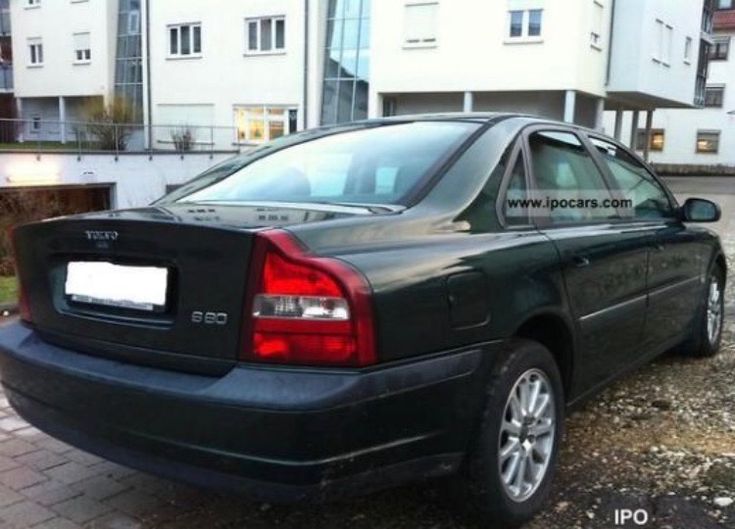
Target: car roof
point(481, 117)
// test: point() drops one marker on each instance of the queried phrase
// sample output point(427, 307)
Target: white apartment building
point(235, 73)
point(237, 66)
point(267, 67)
point(704, 137)
point(64, 53)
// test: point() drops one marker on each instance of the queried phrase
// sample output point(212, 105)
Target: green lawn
point(8, 290)
point(31, 145)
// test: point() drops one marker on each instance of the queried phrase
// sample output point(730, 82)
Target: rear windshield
point(378, 165)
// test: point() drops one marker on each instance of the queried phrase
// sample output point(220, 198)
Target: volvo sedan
point(350, 308)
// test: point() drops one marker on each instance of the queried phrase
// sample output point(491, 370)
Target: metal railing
point(53, 136)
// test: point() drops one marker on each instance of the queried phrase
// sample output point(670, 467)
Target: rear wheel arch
point(554, 332)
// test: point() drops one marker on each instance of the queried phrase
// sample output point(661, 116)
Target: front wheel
point(707, 329)
point(511, 466)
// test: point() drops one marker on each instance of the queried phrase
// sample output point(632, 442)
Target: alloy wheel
point(527, 435)
point(714, 311)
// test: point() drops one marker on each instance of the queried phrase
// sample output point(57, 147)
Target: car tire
point(498, 495)
point(707, 329)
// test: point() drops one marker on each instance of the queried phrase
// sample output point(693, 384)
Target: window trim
point(716, 41)
point(715, 86)
point(650, 146)
point(431, 42)
point(664, 34)
point(178, 55)
point(516, 150)
point(88, 50)
point(274, 50)
point(688, 48)
point(543, 223)
point(598, 9)
point(708, 131)
point(30, 43)
point(601, 167)
point(673, 203)
point(266, 119)
point(524, 37)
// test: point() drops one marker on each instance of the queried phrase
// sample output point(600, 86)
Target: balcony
point(724, 20)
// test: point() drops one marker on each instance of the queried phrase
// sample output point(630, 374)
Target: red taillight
point(24, 308)
point(304, 309)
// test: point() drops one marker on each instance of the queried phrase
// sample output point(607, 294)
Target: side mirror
point(700, 210)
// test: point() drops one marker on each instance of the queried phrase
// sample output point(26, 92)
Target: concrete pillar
point(570, 103)
point(469, 102)
point(62, 119)
point(600, 114)
point(375, 104)
point(618, 124)
point(21, 124)
point(649, 126)
point(633, 130)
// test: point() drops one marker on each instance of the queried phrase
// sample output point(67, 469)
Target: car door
point(603, 259)
point(676, 265)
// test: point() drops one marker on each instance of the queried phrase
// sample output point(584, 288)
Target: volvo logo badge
point(93, 235)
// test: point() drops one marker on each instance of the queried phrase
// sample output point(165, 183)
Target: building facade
point(227, 74)
point(703, 138)
point(7, 101)
point(61, 69)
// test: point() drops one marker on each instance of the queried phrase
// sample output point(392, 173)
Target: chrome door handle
point(580, 261)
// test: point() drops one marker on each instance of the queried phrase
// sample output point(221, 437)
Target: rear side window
point(379, 165)
point(569, 187)
point(649, 200)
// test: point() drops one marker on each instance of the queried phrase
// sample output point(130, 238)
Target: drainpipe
point(305, 104)
point(148, 72)
point(610, 45)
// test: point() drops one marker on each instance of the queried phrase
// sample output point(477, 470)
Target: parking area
point(661, 440)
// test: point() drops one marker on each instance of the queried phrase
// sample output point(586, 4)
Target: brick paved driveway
point(47, 484)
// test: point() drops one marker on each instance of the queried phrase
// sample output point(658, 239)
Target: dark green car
point(354, 307)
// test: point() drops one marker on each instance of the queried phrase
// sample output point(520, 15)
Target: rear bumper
point(277, 434)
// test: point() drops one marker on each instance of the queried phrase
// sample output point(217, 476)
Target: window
point(708, 141)
point(377, 165)
point(420, 24)
point(724, 4)
point(133, 22)
point(658, 138)
point(635, 182)
point(720, 49)
point(346, 62)
point(714, 96)
point(688, 43)
point(35, 52)
point(525, 25)
point(664, 40)
point(514, 212)
point(36, 124)
point(265, 35)
point(564, 170)
point(185, 40)
point(257, 124)
point(82, 49)
point(597, 22)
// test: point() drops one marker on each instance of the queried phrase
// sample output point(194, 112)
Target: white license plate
point(130, 287)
